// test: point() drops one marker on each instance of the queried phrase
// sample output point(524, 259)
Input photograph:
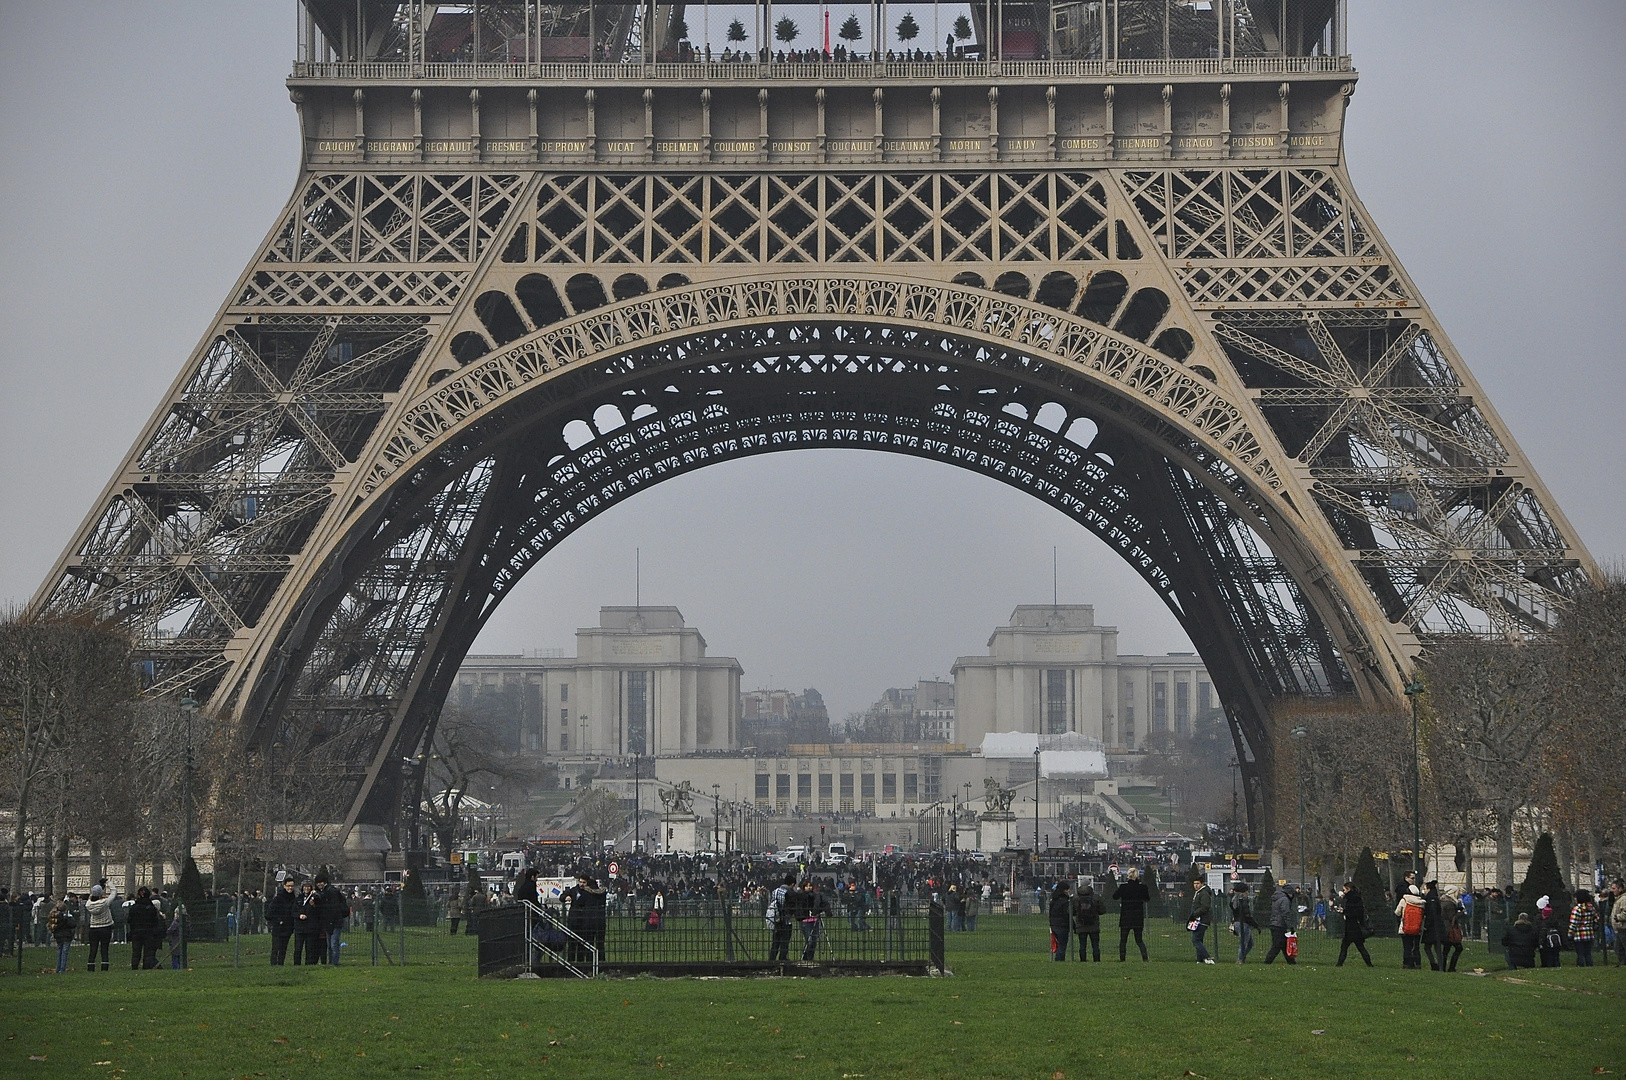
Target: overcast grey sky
point(149, 146)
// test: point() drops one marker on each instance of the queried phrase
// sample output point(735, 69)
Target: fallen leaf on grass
point(1318, 1031)
point(36, 1057)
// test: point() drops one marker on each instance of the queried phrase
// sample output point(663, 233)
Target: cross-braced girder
point(1219, 370)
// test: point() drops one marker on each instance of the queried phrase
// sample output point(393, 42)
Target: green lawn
point(1007, 1012)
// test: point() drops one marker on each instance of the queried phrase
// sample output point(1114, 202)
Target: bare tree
point(466, 757)
point(1490, 706)
point(1586, 750)
point(58, 681)
point(1352, 768)
point(600, 815)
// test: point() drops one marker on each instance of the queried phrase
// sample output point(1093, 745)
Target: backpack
point(776, 908)
point(66, 920)
point(1552, 939)
point(1411, 919)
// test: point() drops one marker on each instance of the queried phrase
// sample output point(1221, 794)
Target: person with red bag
point(1410, 912)
point(1061, 921)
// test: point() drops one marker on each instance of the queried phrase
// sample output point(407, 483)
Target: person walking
point(778, 917)
point(1354, 912)
point(176, 936)
point(1617, 922)
point(99, 926)
point(1283, 917)
point(1087, 910)
point(1132, 897)
point(454, 912)
point(1202, 907)
point(1242, 921)
point(1551, 930)
point(973, 905)
point(310, 942)
point(1410, 911)
point(63, 924)
point(282, 913)
point(1061, 921)
point(1433, 927)
point(1584, 927)
point(146, 928)
point(1452, 916)
point(1519, 943)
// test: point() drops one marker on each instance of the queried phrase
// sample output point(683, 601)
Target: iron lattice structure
point(451, 353)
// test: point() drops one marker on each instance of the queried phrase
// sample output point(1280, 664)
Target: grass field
point(1008, 1011)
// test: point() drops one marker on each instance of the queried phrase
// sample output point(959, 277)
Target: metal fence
point(720, 936)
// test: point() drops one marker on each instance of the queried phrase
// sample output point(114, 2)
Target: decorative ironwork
point(432, 372)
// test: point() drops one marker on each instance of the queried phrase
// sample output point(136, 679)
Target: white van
point(836, 854)
point(792, 856)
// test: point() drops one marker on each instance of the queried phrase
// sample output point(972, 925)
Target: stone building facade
point(1052, 670)
point(640, 683)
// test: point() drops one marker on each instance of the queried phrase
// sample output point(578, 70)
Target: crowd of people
point(1433, 921)
point(311, 916)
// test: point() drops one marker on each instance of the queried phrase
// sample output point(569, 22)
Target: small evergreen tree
point(1262, 898)
point(680, 30)
point(736, 31)
point(1544, 879)
point(786, 30)
point(415, 907)
point(962, 29)
point(908, 29)
point(200, 911)
point(1370, 886)
point(850, 30)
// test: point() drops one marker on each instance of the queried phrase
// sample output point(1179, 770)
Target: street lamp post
point(716, 812)
point(189, 708)
point(1298, 782)
point(1035, 807)
point(1414, 688)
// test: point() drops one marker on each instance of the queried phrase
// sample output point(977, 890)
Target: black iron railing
point(730, 934)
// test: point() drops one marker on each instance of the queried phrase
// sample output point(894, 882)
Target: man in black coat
point(280, 913)
point(1202, 907)
point(310, 943)
point(1132, 897)
point(1520, 942)
point(1061, 921)
point(146, 925)
point(335, 910)
point(1354, 909)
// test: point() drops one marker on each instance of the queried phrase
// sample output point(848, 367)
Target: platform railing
point(859, 70)
point(546, 935)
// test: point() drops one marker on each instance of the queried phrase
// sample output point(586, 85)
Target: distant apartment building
point(771, 720)
point(922, 712)
point(1052, 670)
point(640, 683)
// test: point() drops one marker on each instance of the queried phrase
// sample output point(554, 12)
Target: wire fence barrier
point(713, 935)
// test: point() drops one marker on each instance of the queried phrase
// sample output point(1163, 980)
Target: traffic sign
point(614, 869)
